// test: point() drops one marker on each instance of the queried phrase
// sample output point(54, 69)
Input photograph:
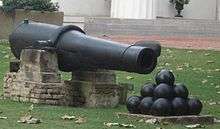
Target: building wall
point(150, 9)
point(218, 9)
point(76, 10)
point(138, 9)
point(201, 9)
point(85, 7)
point(8, 21)
point(196, 9)
point(164, 9)
point(135, 9)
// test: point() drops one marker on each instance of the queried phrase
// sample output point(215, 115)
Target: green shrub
point(39, 5)
point(179, 1)
point(179, 5)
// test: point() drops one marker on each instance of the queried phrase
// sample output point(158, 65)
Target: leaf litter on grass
point(77, 119)
point(68, 117)
point(129, 77)
point(217, 86)
point(204, 81)
point(28, 118)
point(3, 117)
point(109, 124)
point(210, 61)
point(194, 126)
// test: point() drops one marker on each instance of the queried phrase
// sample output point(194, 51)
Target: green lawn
point(199, 70)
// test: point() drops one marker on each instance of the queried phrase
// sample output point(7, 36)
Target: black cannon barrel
point(78, 51)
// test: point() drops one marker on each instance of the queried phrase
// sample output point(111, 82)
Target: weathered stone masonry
point(38, 81)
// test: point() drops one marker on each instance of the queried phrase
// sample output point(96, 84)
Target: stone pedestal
point(98, 88)
point(38, 81)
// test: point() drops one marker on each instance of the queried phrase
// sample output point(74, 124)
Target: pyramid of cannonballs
point(164, 98)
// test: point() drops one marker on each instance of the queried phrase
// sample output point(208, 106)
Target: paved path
point(208, 43)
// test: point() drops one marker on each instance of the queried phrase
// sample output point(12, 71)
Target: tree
point(39, 5)
point(179, 6)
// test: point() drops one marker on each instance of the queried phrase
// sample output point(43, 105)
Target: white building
point(138, 9)
point(150, 9)
point(0, 3)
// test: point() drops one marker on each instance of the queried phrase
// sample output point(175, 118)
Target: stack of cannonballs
point(164, 98)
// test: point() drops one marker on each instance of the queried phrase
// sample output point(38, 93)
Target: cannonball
point(165, 76)
point(181, 90)
point(195, 106)
point(180, 106)
point(161, 107)
point(145, 105)
point(163, 91)
point(148, 90)
point(133, 104)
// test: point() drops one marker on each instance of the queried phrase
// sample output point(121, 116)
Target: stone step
point(164, 27)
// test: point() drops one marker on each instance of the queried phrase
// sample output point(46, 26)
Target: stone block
point(33, 60)
point(52, 102)
point(34, 95)
point(46, 96)
point(57, 97)
point(41, 77)
point(50, 77)
point(38, 91)
point(9, 77)
point(33, 100)
point(15, 93)
point(97, 100)
point(24, 99)
point(14, 65)
point(45, 86)
point(54, 91)
point(37, 101)
point(7, 95)
point(123, 92)
point(15, 98)
point(98, 76)
point(98, 94)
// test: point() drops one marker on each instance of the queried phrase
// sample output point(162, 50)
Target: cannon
point(78, 51)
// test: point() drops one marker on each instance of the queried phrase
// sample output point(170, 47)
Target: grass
point(198, 69)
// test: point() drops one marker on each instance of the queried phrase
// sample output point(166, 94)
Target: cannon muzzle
point(78, 51)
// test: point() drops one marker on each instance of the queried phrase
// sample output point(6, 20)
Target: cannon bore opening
point(146, 60)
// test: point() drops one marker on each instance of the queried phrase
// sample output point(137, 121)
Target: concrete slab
point(198, 119)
